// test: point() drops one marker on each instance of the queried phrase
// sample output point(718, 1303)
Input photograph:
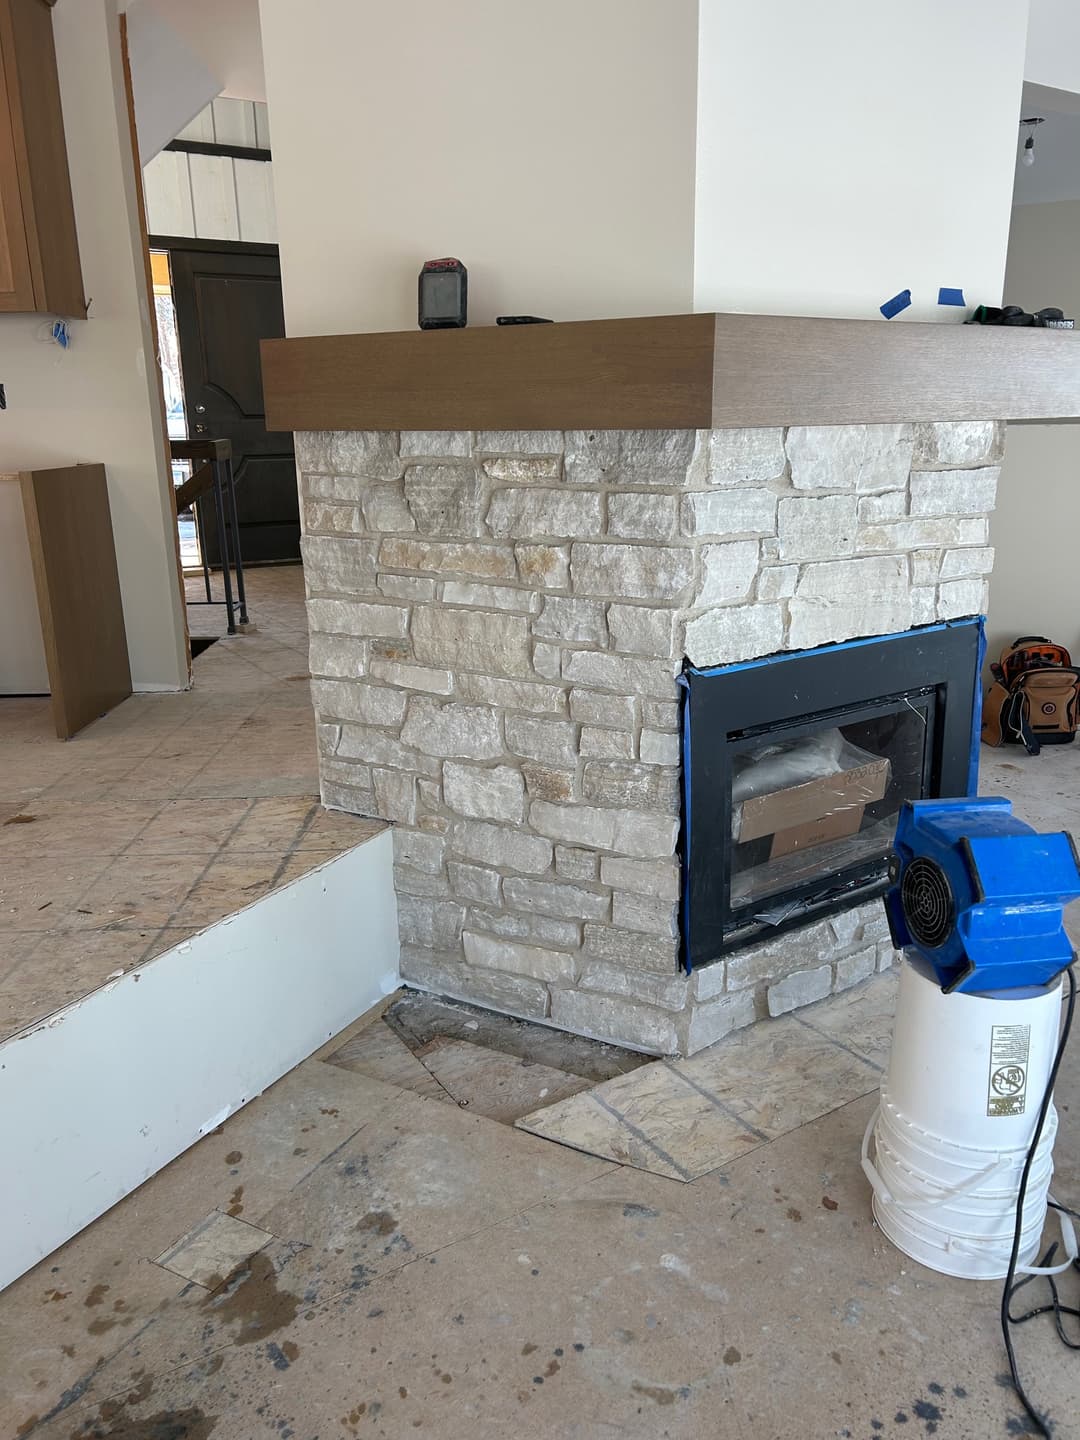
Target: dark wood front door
point(226, 301)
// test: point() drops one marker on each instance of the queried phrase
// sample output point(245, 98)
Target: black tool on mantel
point(521, 320)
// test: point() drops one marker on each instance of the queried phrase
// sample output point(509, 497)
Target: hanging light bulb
point(1027, 153)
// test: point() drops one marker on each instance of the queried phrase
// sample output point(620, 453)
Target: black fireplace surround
point(795, 768)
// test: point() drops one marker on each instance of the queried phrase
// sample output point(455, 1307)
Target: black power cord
point(1012, 1285)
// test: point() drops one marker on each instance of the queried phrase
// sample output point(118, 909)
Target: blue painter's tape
point(945, 296)
point(976, 711)
point(896, 304)
point(684, 926)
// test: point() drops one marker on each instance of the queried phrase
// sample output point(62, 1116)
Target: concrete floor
point(167, 814)
point(346, 1257)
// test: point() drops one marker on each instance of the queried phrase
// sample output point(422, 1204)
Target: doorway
point(226, 297)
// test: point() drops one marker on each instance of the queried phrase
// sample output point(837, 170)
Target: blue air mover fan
point(979, 894)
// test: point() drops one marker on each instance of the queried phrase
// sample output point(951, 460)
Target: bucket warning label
point(1010, 1047)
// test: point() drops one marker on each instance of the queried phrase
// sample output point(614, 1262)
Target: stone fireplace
point(498, 623)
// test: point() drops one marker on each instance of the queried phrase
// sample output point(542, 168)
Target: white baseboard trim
point(104, 1093)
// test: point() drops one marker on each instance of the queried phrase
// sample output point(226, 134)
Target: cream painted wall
point(1033, 589)
point(98, 400)
point(549, 147)
point(848, 151)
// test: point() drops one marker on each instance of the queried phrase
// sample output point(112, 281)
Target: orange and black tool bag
point(1033, 698)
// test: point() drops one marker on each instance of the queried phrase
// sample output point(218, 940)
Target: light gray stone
point(338, 656)
point(574, 622)
point(338, 564)
point(770, 959)
point(642, 630)
point(640, 787)
point(668, 992)
point(406, 587)
point(840, 599)
point(531, 513)
point(368, 704)
point(336, 795)
point(451, 976)
point(709, 1023)
point(547, 566)
point(557, 898)
point(743, 632)
point(876, 509)
point(921, 533)
point(730, 513)
point(923, 604)
point(421, 851)
point(632, 948)
point(573, 864)
point(708, 981)
point(954, 492)
point(648, 913)
point(467, 732)
point(925, 567)
point(645, 836)
point(658, 747)
point(532, 928)
point(596, 708)
point(375, 747)
point(847, 926)
point(499, 954)
point(552, 741)
point(543, 782)
point(961, 597)
point(447, 557)
point(727, 573)
point(597, 744)
point(447, 499)
point(489, 597)
point(408, 881)
point(574, 824)
point(435, 923)
point(434, 444)
point(522, 470)
point(621, 673)
point(819, 527)
point(660, 714)
point(472, 640)
point(641, 515)
point(395, 795)
point(777, 582)
point(519, 442)
point(512, 694)
point(746, 457)
point(853, 968)
point(312, 449)
point(886, 955)
point(495, 793)
point(475, 882)
point(849, 457)
point(501, 846)
point(629, 457)
point(658, 878)
point(413, 677)
point(962, 564)
point(622, 1022)
point(546, 660)
point(964, 443)
point(339, 489)
point(358, 619)
point(637, 572)
point(801, 987)
point(365, 452)
point(331, 519)
point(385, 509)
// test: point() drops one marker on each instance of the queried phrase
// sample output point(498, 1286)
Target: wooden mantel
point(670, 372)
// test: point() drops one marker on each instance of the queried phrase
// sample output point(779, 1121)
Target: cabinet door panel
point(16, 285)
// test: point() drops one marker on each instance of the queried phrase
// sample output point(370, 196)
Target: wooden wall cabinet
point(39, 249)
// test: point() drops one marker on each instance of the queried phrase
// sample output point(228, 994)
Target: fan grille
point(927, 898)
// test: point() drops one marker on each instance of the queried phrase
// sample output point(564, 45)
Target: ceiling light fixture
point(1027, 154)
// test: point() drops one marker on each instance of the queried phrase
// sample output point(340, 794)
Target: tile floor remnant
point(214, 1247)
point(162, 817)
point(684, 1118)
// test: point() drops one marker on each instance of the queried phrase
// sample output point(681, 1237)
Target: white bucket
point(966, 1078)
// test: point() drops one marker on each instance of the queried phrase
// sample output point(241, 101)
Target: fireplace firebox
point(795, 769)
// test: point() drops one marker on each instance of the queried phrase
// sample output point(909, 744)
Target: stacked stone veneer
point(497, 620)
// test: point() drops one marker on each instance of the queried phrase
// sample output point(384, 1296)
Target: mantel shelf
point(671, 372)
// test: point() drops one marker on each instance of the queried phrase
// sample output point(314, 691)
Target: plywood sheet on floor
point(685, 1118)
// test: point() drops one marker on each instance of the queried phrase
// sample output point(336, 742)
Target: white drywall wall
point(99, 1097)
point(1033, 587)
point(98, 401)
point(171, 85)
point(549, 147)
point(1053, 44)
point(848, 151)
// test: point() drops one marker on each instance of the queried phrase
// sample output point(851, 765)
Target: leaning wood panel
point(651, 373)
point(671, 372)
point(82, 621)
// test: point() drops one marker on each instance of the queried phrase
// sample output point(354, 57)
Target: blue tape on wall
point(945, 296)
point(896, 304)
point(976, 712)
point(684, 927)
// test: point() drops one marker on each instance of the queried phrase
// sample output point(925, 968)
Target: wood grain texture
point(82, 621)
point(44, 184)
point(671, 372)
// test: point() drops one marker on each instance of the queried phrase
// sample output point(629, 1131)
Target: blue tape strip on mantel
point(896, 304)
point(945, 296)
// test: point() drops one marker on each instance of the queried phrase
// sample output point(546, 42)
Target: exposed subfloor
point(167, 814)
